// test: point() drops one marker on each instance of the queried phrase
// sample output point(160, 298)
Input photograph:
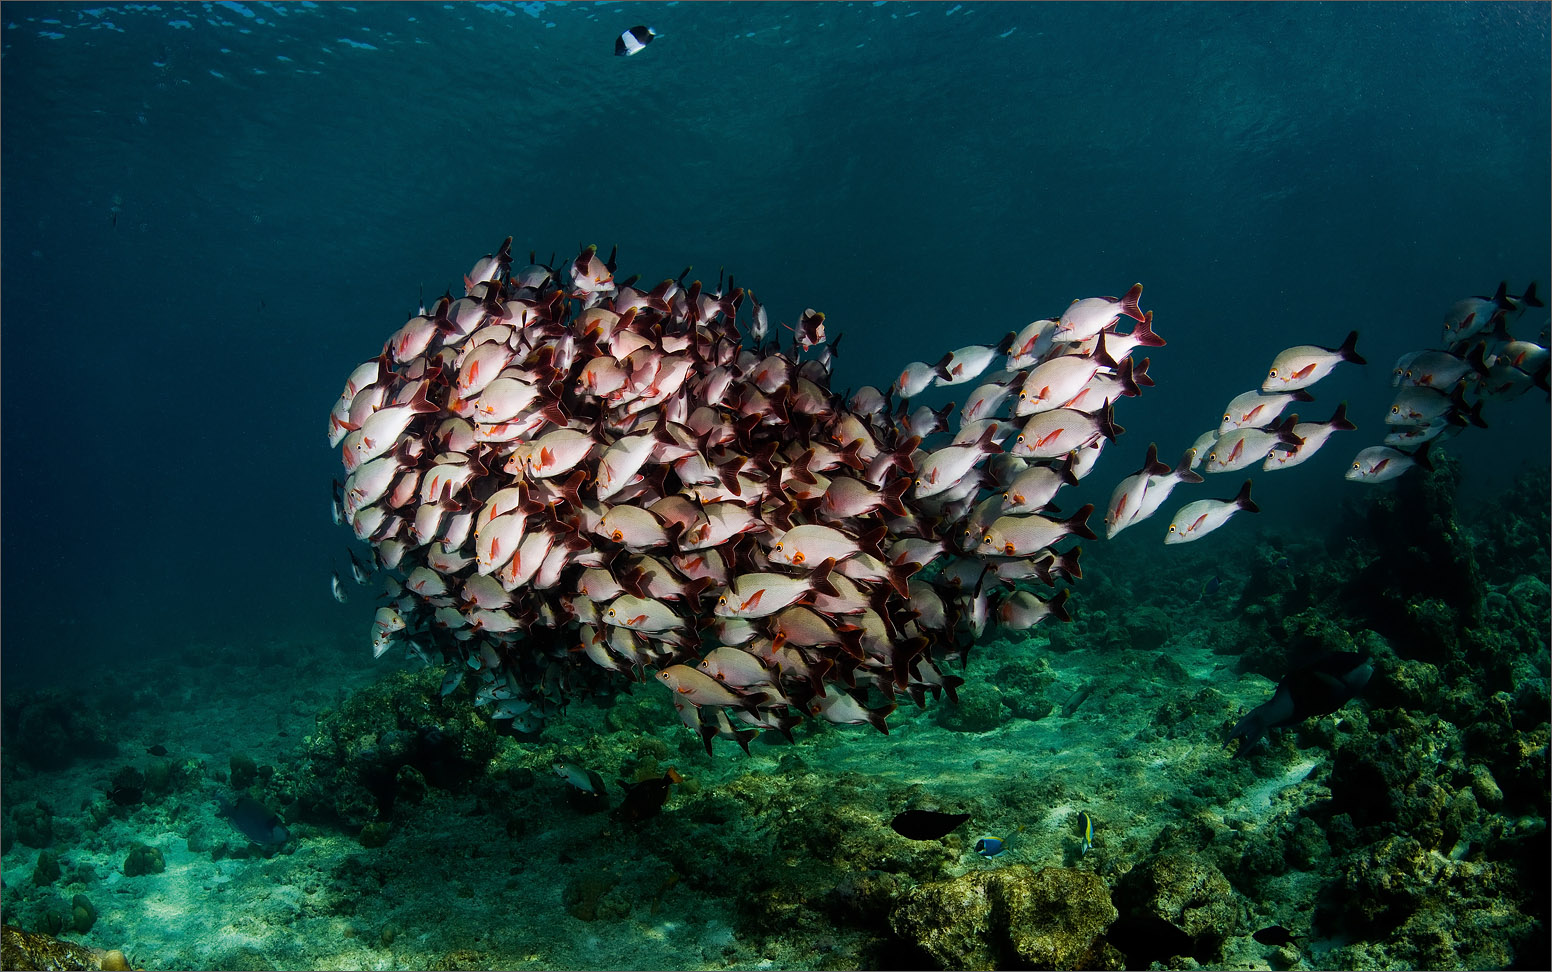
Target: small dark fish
point(926, 824)
point(633, 40)
point(645, 798)
point(1275, 935)
point(157, 750)
point(125, 796)
point(1282, 563)
point(1210, 588)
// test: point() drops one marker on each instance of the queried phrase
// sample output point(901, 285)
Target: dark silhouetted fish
point(255, 821)
point(1275, 935)
point(926, 824)
point(1319, 688)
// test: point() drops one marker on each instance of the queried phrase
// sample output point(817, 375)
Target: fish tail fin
point(742, 737)
point(1339, 420)
point(799, 467)
point(1126, 374)
point(1243, 501)
point(1006, 344)
point(1107, 423)
point(1067, 564)
point(1284, 431)
point(1529, 298)
point(1058, 605)
point(1144, 335)
point(1501, 296)
point(1421, 456)
point(1064, 466)
point(1539, 379)
point(871, 543)
point(876, 717)
point(1078, 523)
point(892, 493)
point(951, 685)
point(941, 368)
point(1129, 303)
point(1151, 464)
point(1103, 356)
point(1349, 349)
point(903, 660)
point(820, 578)
point(1184, 472)
point(1477, 358)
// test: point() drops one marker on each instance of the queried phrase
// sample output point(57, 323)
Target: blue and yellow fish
point(1086, 833)
point(992, 846)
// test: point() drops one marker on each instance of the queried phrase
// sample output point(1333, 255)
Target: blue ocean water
point(213, 211)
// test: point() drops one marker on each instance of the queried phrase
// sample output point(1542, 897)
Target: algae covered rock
point(50, 730)
point(388, 743)
point(1175, 905)
point(30, 950)
point(1015, 916)
point(143, 860)
point(47, 869)
point(33, 825)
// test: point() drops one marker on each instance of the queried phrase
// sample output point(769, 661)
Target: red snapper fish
point(1049, 435)
point(1302, 366)
point(1314, 435)
point(1253, 409)
point(1087, 317)
point(1195, 520)
point(1245, 447)
point(758, 595)
point(1126, 498)
point(1378, 464)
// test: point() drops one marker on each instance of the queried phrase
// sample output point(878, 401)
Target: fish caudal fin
point(876, 718)
point(1058, 605)
point(1243, 501)
point(1107, 423)
point(1349, 349)
point(1129, 303)
point(1144, 335)
point(1339, 420)
point(1183, 472)
point(1078, 523)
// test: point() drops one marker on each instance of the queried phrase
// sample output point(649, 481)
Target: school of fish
point(570, 480)
point(1480, 358)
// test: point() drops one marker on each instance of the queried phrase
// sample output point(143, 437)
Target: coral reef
point(385, 745)
point(50, 730)
point(1016, 917)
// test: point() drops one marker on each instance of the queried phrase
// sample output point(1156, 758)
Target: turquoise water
point(226, 208)
point(210, 213)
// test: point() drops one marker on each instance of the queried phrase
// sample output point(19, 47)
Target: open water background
point(210, 212)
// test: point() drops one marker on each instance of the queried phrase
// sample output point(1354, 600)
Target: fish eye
point(1212, 457)
point(1225, 416)
point(1395, 409)
point(1357, 465)
point(1172, 528)
point(1272, 373)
